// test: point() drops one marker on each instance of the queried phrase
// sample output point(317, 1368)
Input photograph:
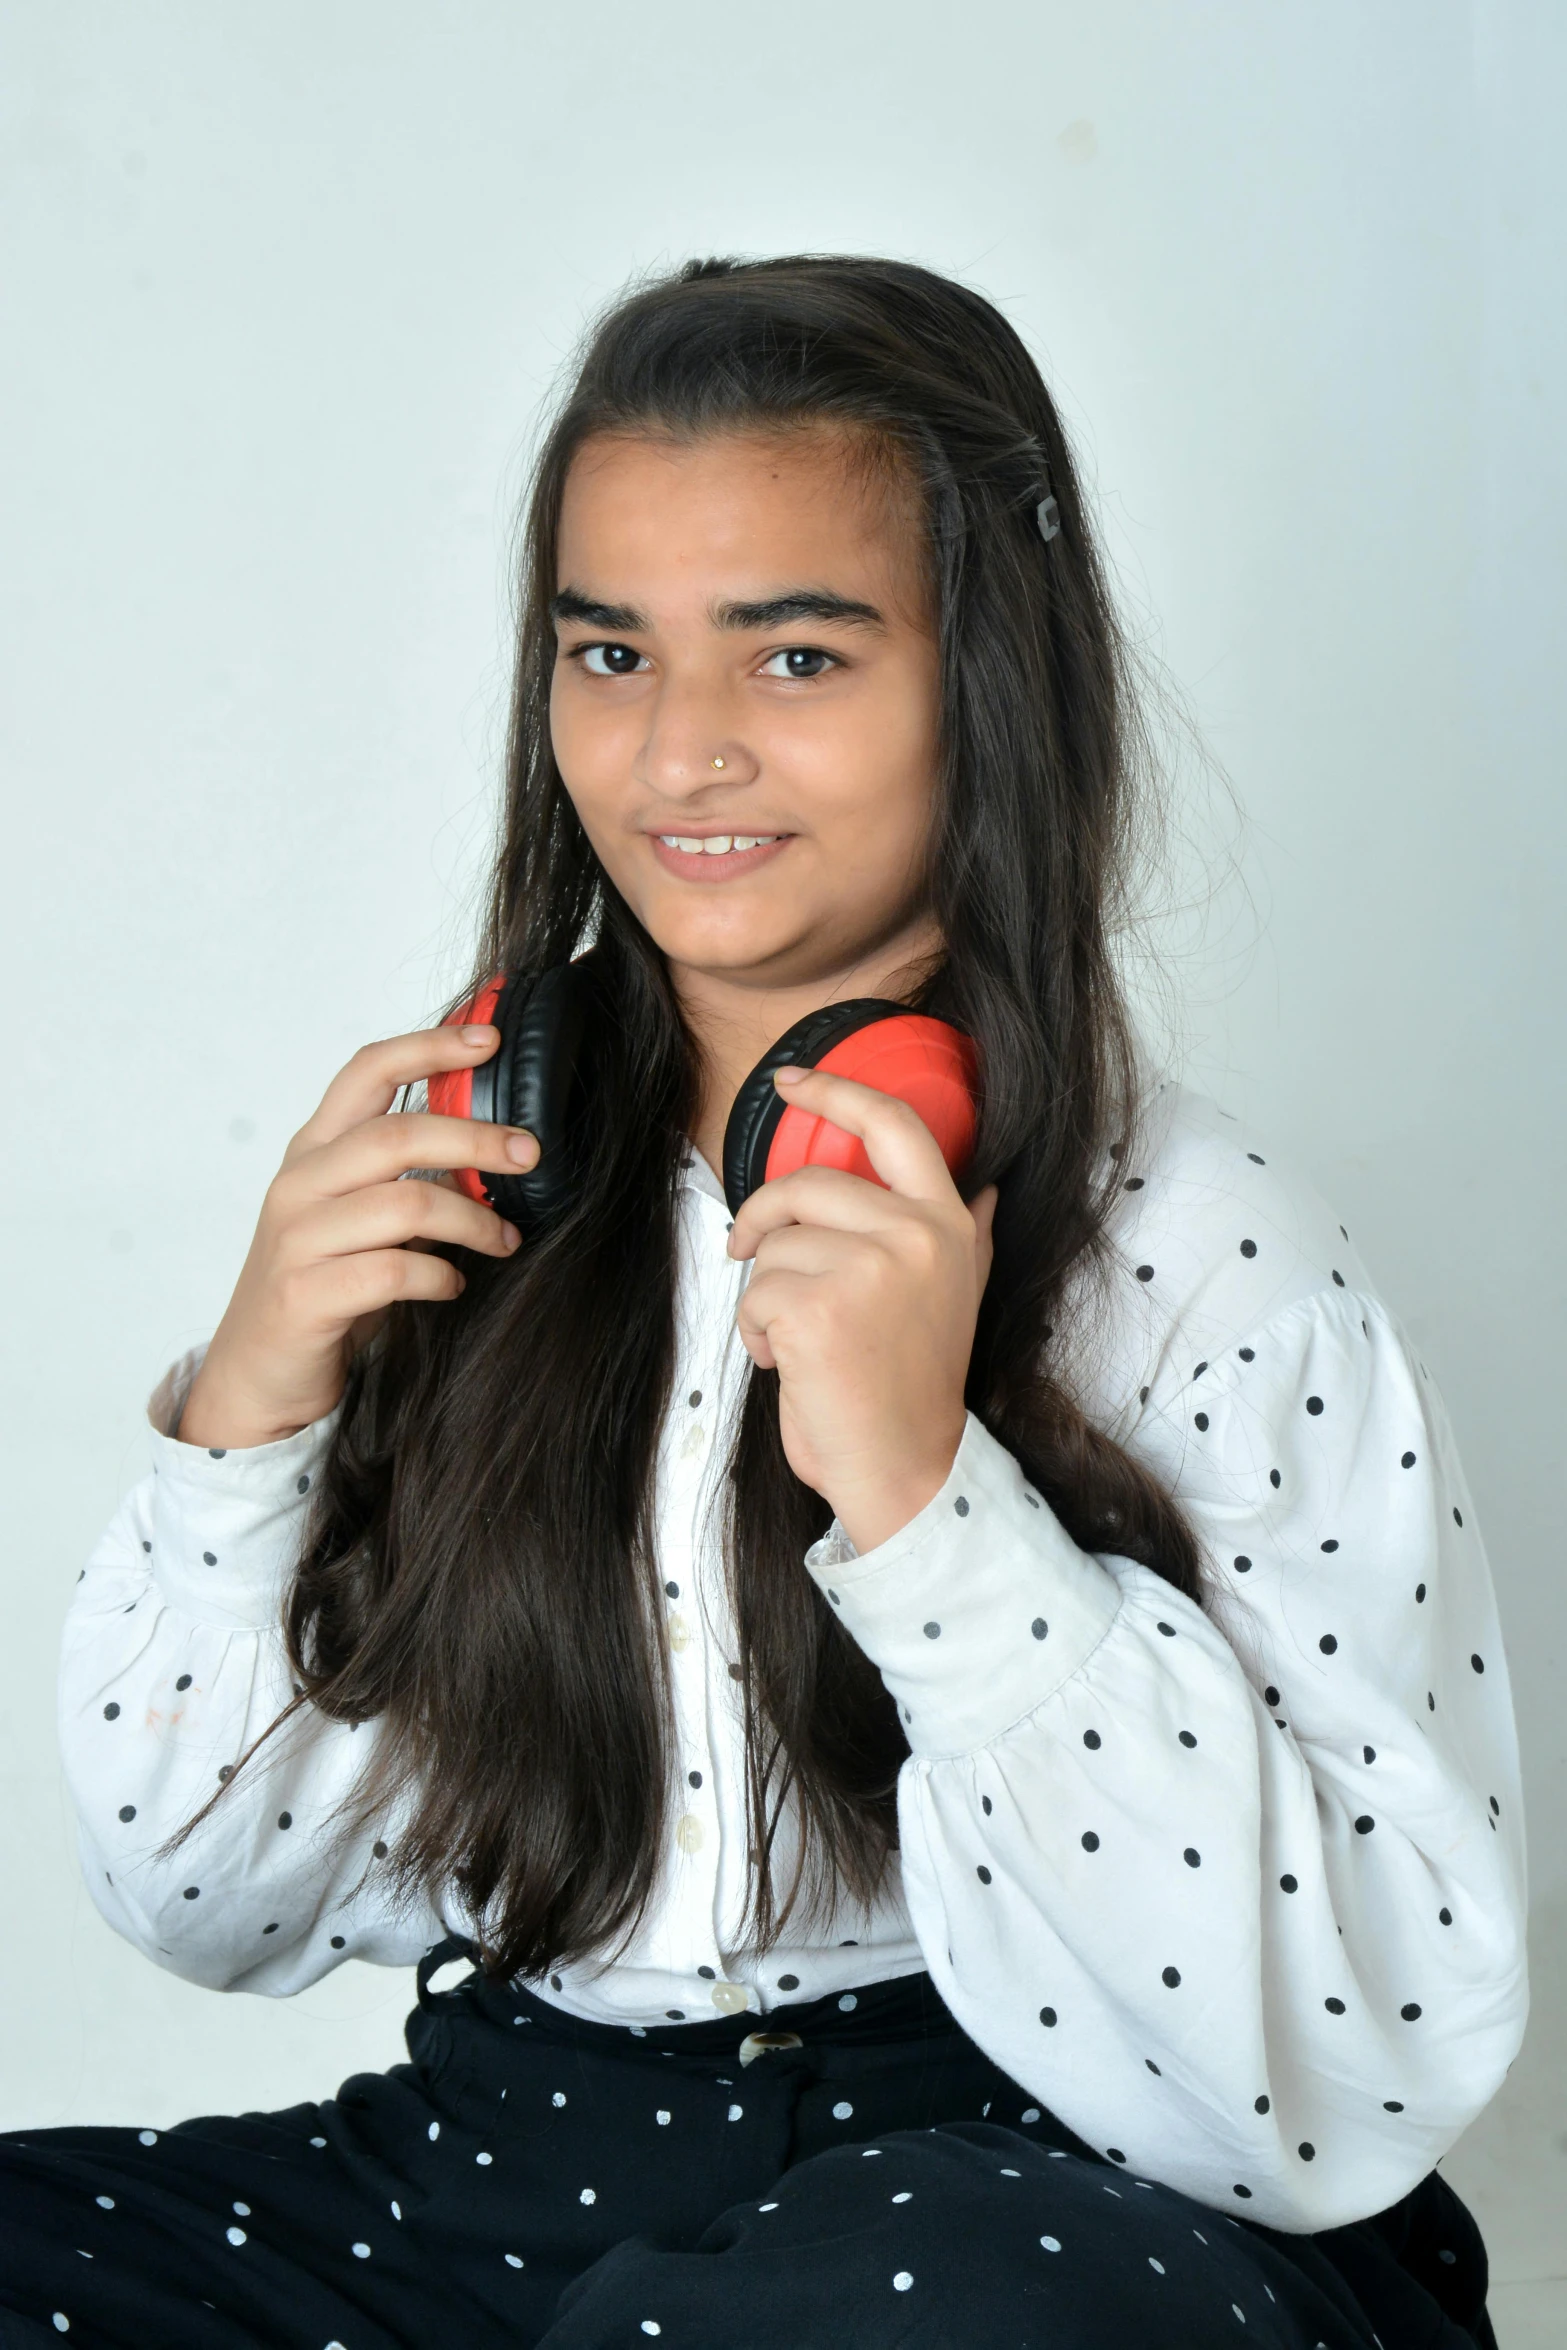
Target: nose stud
point(718, 762)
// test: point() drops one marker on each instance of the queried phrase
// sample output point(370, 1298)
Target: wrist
point(872, 1509)
point(221, 1416)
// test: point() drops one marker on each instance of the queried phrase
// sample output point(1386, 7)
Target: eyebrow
point(769, 612)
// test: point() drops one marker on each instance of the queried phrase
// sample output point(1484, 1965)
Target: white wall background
point(284, 286)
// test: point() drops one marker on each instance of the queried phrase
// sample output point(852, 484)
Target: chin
point(736, 944)
point(737, 959)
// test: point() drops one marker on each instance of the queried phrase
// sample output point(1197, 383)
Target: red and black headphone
point(530, 1080)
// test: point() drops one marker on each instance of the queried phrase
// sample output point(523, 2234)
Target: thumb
point(983, 1210)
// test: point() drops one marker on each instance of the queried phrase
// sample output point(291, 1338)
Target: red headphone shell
point(450, 1092)
point(924, 1062)
point(878, 1042)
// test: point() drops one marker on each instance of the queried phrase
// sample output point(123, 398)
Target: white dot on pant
point(559, 2097)
point(104, 2202)
point(588, 2195)
point(243, 2210)
point(361, 2251)
point(735, 2111)
point(147, 2137)
point(513, 2260)
point(1239, 2312)
point(842, 2110)
point(1051, 2243)
point(905, 2197)
point(319, 2141)
point(662, 2117)
point(1030, 2113)
point(902, 2281)
point(650, 2325)
point(60, 2322)
point(1156, 2265)
point(235, 2235)
point(767, 2207)
point(397, 2209)
point(435, 2130)
point(485, 2159)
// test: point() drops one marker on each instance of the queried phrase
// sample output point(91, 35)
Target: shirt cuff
point(978, 1609)
point(227, 1524)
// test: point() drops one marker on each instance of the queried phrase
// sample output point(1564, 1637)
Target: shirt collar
point(697, 1175)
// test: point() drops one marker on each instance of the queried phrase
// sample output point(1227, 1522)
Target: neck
point(737, 1017)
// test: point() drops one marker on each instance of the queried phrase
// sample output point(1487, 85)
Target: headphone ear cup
point(530, 1080)
point(928, 1063)
point(537, 1087)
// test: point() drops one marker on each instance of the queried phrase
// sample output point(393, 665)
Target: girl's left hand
point(864, 1301)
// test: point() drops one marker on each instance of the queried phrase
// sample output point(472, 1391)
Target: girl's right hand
point(338, 1239)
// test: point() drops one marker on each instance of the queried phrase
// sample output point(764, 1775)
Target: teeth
point(717, 844)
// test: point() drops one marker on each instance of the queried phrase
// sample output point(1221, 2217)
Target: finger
point(342, 1290)
point(404, 1139)
point(817, 1195)
point(369, 1084)
point(817, 1248)
point(898, 1143)
point(766, 1297)
point(392, 1215)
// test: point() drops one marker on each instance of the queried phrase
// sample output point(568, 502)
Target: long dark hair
point(480, 1572)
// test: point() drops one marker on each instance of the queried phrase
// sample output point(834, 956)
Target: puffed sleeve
point(1237, 1890)
point(172, 1665)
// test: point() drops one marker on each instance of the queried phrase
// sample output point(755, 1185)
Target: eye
point(800, 661)
point(608, 660)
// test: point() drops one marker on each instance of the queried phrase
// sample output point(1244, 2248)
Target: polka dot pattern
point(1121, 1739)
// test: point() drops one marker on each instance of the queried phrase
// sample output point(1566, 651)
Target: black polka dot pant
point(529, 2179)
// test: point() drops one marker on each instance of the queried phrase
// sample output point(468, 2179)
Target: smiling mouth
point(716, 856)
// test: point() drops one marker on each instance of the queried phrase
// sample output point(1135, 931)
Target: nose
point(690, 744)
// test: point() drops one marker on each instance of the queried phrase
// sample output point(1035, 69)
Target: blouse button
point(688, 1835)
point(729, 1998)
point(679, 1632)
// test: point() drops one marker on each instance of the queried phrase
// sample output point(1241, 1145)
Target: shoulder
point(1215, 1234)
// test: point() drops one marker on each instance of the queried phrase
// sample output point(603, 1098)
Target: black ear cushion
point(532, 1080)
point(758, 1106)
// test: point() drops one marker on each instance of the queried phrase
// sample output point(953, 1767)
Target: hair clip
point(1048, 516)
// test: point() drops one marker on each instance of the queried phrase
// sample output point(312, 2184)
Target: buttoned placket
point(698, 1621)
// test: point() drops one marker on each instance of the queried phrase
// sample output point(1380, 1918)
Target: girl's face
point(745, 700)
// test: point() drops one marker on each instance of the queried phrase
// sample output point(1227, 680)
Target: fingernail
point(522, 1147)
point(476, 1035)
point(510, 1235)
point(789, 1076)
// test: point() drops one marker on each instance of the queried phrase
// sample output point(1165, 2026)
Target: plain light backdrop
point(284, 288)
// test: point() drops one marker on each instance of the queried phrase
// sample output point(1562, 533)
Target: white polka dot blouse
point(1236, 1890)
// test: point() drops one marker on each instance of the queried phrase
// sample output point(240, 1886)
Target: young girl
point(960, 1723)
